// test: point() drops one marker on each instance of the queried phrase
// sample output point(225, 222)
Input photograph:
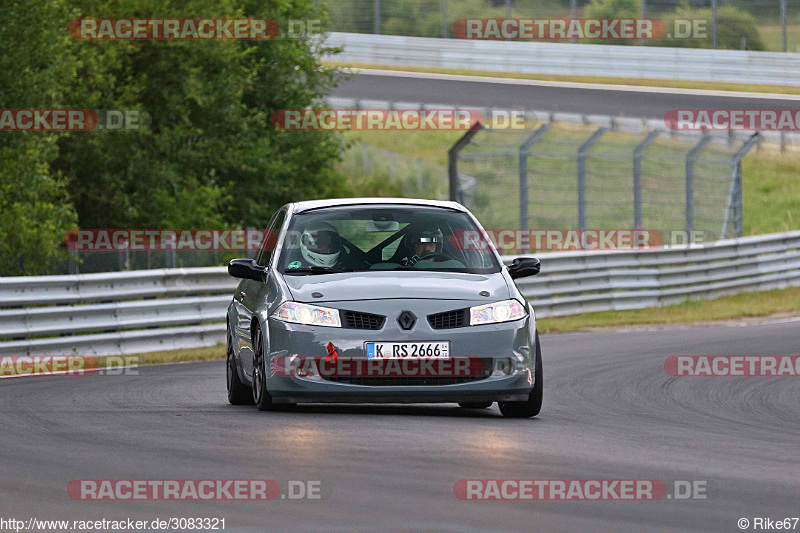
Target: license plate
point(410, 350)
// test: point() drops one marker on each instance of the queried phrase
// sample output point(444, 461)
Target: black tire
point(533, 405)
point(475, 405)
point(238, 392)
point(261, 397)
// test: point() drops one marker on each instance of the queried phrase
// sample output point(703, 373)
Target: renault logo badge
point(406, 320)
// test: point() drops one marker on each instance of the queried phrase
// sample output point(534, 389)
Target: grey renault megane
point(381, 300)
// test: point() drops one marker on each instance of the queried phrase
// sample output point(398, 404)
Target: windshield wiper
point(313, 270)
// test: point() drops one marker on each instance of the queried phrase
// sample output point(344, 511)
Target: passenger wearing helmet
point(320, 246)
point(423, 241)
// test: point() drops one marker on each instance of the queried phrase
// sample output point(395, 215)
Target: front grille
point(449, 319)
point(355, 320)
point(405, 382)
point(486, 369)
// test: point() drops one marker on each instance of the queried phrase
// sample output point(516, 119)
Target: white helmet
point(320, 244)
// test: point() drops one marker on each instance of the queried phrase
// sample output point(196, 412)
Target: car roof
point(336, 202)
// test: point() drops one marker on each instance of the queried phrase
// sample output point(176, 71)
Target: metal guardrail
point(581, 282)
point(570, 59)
point(616, 123)
point(114, 313)
point(152, 310)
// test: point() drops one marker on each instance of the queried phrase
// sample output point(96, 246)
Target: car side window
point(271, 238)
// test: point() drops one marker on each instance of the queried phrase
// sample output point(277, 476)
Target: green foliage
point(35, 212)
point(208, 158)
point(733, 25)
point(606, 9)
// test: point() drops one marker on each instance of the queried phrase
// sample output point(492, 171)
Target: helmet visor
point(321, 241)
point(427, 237)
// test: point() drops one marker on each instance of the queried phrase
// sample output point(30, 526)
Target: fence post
point(573, 13)
point(738, 219)
point(582, 152)
point(443, 8)
point(714, 23)
point(376, 17)
point(690, 157)
point(172, 258)
point(643, 15)
point(124, 258)
point(364, 159)
point(734, 203)
point(523, 172)
point(638, 152)
point(452, 161)
point(72, 266)
point(783, 25)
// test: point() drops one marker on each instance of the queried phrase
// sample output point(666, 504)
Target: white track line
point(573, 85)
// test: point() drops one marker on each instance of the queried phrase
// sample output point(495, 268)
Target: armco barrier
point(570, 59)
point(114, 313)
point(619, 123)
point(152, 310)
point(580, 282)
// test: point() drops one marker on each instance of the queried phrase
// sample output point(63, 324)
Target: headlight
point(310, 315)
point(497, 312)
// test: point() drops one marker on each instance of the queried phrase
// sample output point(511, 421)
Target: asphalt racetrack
point(635, 102)
point(610, 412)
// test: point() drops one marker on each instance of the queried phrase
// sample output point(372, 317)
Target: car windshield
point(384, 237)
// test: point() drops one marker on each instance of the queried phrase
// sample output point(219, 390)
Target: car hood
point(376, 285)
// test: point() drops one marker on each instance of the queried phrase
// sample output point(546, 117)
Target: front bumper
point(510, 342)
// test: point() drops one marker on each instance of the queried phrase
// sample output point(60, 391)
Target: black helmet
point(425, 234)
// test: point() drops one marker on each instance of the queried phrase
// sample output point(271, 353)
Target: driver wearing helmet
point(320, 246)
point(424, 241)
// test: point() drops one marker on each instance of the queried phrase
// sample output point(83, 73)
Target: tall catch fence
point(567, 177)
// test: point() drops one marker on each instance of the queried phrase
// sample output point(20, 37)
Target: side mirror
point(247, 269)
point(524, 266)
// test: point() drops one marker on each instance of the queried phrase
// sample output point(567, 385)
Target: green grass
point(745, 305)
point(772, 36)
point(771, 192)
point(429, 146)
point(642, 82)
point(141, 359)
point(178, 356)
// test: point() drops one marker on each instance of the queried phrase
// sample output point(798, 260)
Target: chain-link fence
point(770, 25)
point(566, 176)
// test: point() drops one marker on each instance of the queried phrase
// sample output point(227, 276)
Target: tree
point(734, 28)
point(209, 156)
point(611, 9)
point(35, 211)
